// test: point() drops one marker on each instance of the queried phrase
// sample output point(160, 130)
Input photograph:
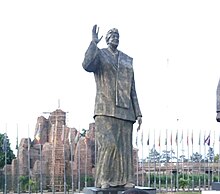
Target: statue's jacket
point(115, 85)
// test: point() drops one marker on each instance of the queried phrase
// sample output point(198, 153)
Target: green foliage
point(216, 158)
point(5, 145)
point(183, 183)
point(33, 185)
point(24, 180)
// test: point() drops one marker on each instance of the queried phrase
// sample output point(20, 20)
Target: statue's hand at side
point(218, 117)
point(95, 33)
point(139, 119)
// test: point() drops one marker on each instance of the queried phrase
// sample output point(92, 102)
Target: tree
point(210, 154)
point(216, 158)
point(183, 158)
point(154, 156)
point(167, 155)
point(5, 146)
point(196, 157)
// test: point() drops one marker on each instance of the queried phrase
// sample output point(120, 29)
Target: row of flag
point(206, 140)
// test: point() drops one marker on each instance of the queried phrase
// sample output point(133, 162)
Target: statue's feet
point(105, 186)
point(129, 185)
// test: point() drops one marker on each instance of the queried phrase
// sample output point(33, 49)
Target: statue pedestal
point(216, 186)
point(114, 190)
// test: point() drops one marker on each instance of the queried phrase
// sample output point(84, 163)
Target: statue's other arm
point(135, 100)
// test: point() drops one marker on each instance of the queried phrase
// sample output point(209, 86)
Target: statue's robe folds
point(116, 109)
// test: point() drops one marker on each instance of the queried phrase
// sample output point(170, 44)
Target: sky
point(175, 46)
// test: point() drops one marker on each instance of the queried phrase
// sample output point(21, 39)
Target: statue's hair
point(109, 33)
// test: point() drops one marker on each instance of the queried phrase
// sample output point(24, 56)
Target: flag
point(181, 137)
point(200, 138)
point(207, 140)
point(171, 139)
point(192, 137)
point(159, 141)
point(165, 141)
point(166, 138)
point(17, 139)
point(187, 140)
point(148, 140)
point(176, 137)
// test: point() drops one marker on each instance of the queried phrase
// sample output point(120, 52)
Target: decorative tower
point(57, 136)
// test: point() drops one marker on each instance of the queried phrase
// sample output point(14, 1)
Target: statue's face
point(114, 39)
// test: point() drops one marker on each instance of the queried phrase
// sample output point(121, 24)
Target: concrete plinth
point(114, 190)
point(216, 186)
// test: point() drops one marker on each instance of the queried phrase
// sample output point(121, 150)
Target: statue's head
point(112, 37)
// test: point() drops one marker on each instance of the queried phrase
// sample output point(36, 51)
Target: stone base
point(216, 186)
point(115, 190)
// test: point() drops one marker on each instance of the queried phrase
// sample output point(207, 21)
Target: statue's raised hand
point(95, 33)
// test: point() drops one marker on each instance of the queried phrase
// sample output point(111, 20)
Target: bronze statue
point(116, 110)
point(218, 102)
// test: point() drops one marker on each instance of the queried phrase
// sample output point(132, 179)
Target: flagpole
point(137, 181)
point(154, 162)
point(5, 149)
point(86, 161)
point(29, 172)
point(204, 162)
point(64, 160)
point(199, 160)
point(148, 144)
point(159, 164)
point(18, 163)
point(78, 146)
point(166, 161)
point(209, 170)
point(207, 140)
point(54, 129)
point(183, 155)
point(171, 155)
point(192, 164)
point(188, 157)
point(142, 156)
point(71, 158)
point(171, 147)
point(177, 167)
point(213, 159)
point(41, 189)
